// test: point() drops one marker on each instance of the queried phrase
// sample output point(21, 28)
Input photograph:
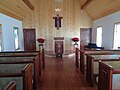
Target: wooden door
point(85, 35)
point(29, 39)
point(58, 47)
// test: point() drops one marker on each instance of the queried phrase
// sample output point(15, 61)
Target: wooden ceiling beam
point(11, 14)
point(85, 4)
point(29, 4)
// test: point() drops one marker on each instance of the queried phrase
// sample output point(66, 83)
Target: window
point(99, 37)
point(1, 39)
point(116, 43)
point(16, 37)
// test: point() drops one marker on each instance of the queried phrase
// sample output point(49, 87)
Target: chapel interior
point(55, 38)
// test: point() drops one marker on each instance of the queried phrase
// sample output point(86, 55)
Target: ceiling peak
point(85, 4)
point(29, 4)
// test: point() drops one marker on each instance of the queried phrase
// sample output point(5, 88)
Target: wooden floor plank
point(61, 74)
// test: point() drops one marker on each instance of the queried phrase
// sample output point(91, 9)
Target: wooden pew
point(11, 86)
point(83, 58)
point(109, 76)
point(80, 58)
point(21, 59)
point(84, 52)
point(20, 73)
point(92, 65)
point(41, 54)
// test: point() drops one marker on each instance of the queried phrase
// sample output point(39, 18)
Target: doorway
point(85, 35)
point(29, 39)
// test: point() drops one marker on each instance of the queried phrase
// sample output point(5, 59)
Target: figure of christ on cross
point(58, 21)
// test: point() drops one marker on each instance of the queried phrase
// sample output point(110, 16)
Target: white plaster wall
point(107, 24)
point(7, 30)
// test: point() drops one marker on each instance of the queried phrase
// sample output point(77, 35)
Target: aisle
point(61, 74)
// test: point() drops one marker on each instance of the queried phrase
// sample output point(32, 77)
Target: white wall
point(7, 30)
point(107, 24)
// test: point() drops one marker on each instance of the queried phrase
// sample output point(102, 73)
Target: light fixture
point(58, 0)
point(57, 10)
point(57, 15)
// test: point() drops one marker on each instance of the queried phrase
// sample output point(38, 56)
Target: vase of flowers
point(41, 41)
point(75, 40)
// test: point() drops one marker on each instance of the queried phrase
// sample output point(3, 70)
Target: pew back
point(92, 65)
point(11, 59)
point(109, 73)
point(22, 75)
point(93, 52)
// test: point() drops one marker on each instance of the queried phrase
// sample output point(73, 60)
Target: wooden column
point(76, 57)
point(43, 58)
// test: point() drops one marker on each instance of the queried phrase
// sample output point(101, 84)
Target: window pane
point(16, 38)
point(99, 36)
point(1, 39)
point(116, 43)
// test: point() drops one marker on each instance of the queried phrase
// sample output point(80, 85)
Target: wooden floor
point(61, 74)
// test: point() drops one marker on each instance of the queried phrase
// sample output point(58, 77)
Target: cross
point(58, 21)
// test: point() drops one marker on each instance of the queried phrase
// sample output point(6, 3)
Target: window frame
point(96, 35)
point(2, 41)
point(113, 33)
point(18, 38)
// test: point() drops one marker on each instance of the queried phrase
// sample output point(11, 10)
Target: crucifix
point(57, 21)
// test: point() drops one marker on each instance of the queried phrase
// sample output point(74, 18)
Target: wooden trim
point(58, 38)
point(82, 61)
point(43, 59)
point(116, 71)
point(77, 60)
point(17, 62)
point(11, 86)
point(97, 60)
point(22, 55)
point(105, 77)
point(90, 69)
point(20, 52)
point(85, 4)
point(27, 77)
point(29, 4)
point(11, 75)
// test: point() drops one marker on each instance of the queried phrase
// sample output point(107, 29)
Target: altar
point(59, 46)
